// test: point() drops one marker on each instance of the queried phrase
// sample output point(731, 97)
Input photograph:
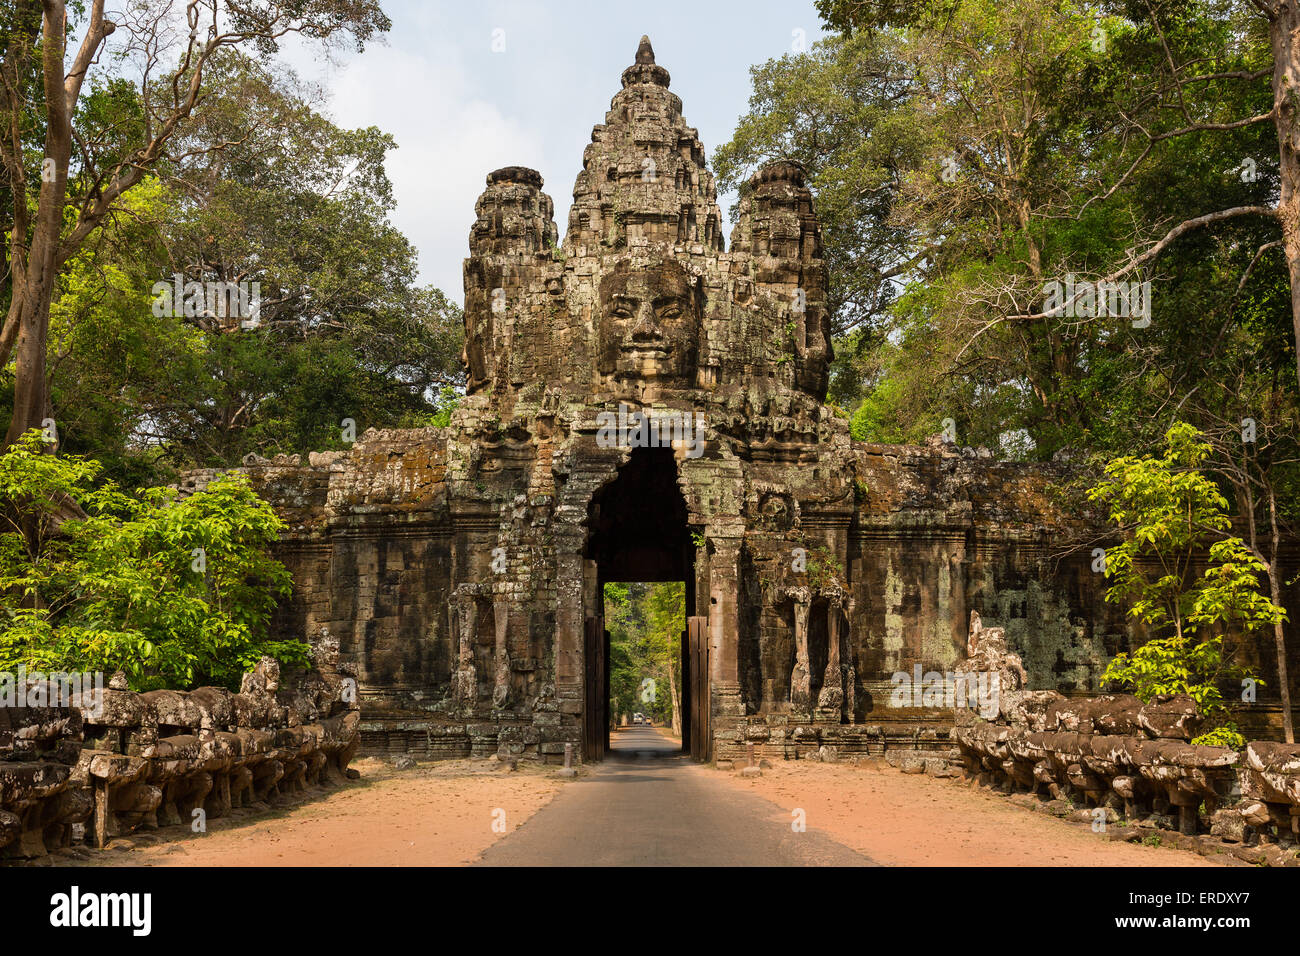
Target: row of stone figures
point(113, 761)
point(1136, 762)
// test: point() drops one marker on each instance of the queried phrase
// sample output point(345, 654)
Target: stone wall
point(378, 538)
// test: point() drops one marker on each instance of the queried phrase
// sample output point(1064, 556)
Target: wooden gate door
point(595, 722)
point(686, 702)
point(604, 689)
point(697, 686)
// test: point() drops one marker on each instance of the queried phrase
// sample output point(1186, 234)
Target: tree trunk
point(1284, 36)
point(1279, 639)
point(34, 289)
point(677, 706)
point(1279, 634)
point(31, 389)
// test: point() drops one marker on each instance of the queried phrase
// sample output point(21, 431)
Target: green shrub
point(1225, 735)
point(1171, 517)
point(175, 593)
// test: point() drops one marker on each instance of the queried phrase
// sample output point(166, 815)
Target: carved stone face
point(649, 324)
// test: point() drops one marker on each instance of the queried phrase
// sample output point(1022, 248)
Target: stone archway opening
point(637, 533)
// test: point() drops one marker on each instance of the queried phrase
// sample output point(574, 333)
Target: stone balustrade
point(121, 761)
point(1115, 752)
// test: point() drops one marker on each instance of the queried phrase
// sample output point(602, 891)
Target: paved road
point(647, 805)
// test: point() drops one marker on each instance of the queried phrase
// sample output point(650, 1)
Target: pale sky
point(459, 110)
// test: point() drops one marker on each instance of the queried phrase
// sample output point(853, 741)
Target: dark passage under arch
point(637, 532)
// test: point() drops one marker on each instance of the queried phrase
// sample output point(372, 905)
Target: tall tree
point(1171, 516)
point(666, 617)
point(298, 206)
point(1261, 43)
point(62, 190)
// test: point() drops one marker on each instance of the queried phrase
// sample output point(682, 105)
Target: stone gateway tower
point(646, 403)
point(645, 406)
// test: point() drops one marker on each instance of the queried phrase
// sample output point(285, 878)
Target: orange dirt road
point(901, 819)
point(438, 814)
point(443, 814)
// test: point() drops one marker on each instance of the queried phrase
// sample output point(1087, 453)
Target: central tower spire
point(643, 177)
point(644, 69)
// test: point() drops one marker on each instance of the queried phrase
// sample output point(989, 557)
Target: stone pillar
point(831, 697)
point(464, 679)
point(725, 699)
point(569, 616)
point(851, 675)
point(501, 654)
point(724, 614)
point(800, 678)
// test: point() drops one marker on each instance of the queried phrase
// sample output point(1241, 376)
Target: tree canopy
point(293, 203)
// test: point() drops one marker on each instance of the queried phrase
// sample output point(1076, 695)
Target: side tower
point(778, 238)
point(510, 245)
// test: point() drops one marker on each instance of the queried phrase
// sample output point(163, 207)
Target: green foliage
point(823, 568)
point(876, 419)
point(1170, 515)
point(1225, 735)
point(665, 612)
point(175, 592)
point(1172, 665)
point(963, 154)
point(444, 404)
point(645, 622)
